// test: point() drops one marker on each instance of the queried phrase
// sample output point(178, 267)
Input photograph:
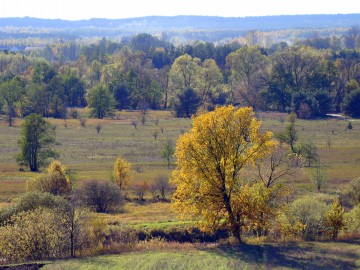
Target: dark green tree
point(74, 90)
point(100, 101)
point(351, 105)
point(35, 143)
point(11, 92)
point(187, 104)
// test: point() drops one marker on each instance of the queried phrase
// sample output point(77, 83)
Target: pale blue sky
point(75, 9)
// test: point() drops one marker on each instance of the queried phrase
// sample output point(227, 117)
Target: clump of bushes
point(31, 201)
point(55, 180)
point(43, 226)
point(100, 196)
point(311, 218)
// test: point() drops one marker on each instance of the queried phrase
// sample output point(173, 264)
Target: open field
point(312, 255)
point(91, 155)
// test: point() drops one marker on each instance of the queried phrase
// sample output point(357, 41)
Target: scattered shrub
point(55, 181)
point(100, 196)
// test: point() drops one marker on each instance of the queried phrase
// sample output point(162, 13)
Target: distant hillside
point(21, 32)
point(156, 23)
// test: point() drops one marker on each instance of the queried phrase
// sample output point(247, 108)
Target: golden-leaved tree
point(122, 174)
point(210, 160)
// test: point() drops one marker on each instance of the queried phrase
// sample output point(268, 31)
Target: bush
point(43, 234)
point(191, 235)
point(55, 181)
point(351, 195)
point(100, 196)
point(310, 212)
point(32, 235)
point(352, 220)
point(33, 200)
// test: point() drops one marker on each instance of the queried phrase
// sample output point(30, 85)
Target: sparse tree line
point(145, 72)
point(233, 178)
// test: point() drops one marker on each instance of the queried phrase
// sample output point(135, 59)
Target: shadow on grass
point(295, 255)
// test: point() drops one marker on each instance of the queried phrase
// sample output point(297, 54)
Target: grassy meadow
point(314, 255)
point(91, 154)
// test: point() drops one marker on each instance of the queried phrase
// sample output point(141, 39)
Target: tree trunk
point(235, 226)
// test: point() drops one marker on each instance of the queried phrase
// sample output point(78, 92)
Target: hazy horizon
point(78, 10)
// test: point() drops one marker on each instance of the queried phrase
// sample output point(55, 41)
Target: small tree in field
point(289, 136)
point(318, 177)
point(161, 184)
point(140, 189)
point(122, 173)
point(167, 152)
point(36, 140)
point(335, 220)
point(309, 151)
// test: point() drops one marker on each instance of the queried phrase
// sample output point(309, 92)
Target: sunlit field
point(91, 155)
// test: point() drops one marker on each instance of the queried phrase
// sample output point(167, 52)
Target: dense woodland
point(312, 77)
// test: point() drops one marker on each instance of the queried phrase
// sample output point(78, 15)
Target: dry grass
point(91, 155)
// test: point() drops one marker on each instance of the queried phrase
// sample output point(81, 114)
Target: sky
point(112, 9)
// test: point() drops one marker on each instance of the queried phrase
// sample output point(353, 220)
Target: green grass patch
point(313, 255)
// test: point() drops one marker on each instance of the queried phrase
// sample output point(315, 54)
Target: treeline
point(311, 78)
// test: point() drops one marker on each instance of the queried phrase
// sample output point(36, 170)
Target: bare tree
point(278, 165)
point(162, 185)
point(134, 123)
point(155, 134)
point(98, 128)
point(318, 176)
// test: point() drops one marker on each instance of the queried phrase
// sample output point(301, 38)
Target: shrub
point(352, 220)
point(310, 213)
point(335, 219)
point(351, 195)
point(32, 235)
point(43, 234)
point(33, 200)
point(55, 181)
point(354, 191)
point(190, 235)
point(100, 196)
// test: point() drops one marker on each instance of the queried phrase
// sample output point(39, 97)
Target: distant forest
point(310, 73)
point(177, 29)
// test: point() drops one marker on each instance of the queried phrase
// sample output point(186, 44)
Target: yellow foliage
point(210, 159)
point(122, 173)
point(55, 181)
point(56, 166)
point(335, 219)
